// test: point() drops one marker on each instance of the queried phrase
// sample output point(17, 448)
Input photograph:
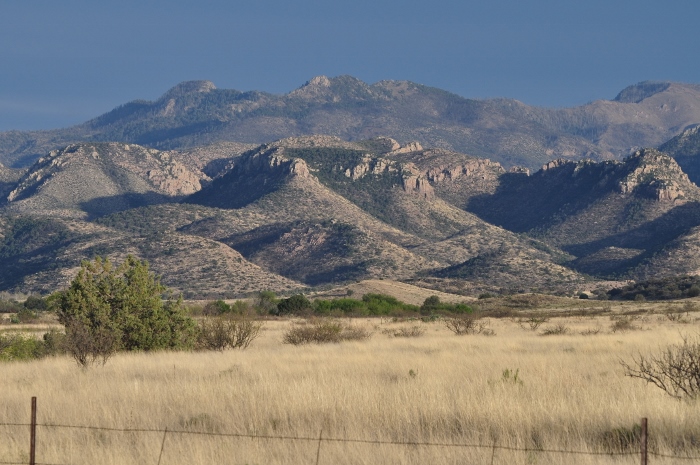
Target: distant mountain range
point(234, 217)
point(503, 130)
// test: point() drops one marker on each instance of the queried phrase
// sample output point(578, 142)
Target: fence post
point(32, 435)
point(643, 441)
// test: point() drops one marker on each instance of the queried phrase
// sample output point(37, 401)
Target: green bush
point(35, 303)
point(19, 347)
point(216, 307)
point(26, 316)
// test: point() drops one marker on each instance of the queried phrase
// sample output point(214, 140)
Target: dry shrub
point(676, 370)
point(591, 331)
point(324, 331)
point(413, 331)
point(533, 323)
point(89, 345)
point(468, 324)
point(227, 332)
point(555, 330)
point(622, 324)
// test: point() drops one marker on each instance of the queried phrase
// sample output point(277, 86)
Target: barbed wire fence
point(643, 452)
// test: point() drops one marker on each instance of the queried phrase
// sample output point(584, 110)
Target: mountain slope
point(610, 215)
point(97, 179)
point(197, 113)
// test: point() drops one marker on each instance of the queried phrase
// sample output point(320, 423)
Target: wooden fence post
point(643, 441)
point(32, 435)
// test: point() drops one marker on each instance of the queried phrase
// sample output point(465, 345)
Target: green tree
point(108, 308)
point(430, 305)
point(294, 305)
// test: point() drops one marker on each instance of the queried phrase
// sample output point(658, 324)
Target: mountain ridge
point(197, 113)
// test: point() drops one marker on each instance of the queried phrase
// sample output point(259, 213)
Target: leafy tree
point(294, 305)
point(36, 303)
point(430, 305)
point(108, 308)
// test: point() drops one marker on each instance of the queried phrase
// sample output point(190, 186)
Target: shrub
point(35, 303)
point(216, 307)
point(555, 330)
point(266, 302)
point(467, 324)
point(323, 331)
point(227, 332)
point(533, 323)
point(9, 306)
point(413, 331)
point(622, 324)
point(676, 370)
point(17, 347)
point(26, 316)
point(55, 342)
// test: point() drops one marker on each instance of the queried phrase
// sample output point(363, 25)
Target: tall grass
point(570, 393)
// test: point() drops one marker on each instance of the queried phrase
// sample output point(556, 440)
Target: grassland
point(516, 389)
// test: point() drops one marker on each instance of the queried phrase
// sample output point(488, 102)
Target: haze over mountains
point(228, 193)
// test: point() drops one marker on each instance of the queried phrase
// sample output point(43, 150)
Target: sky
point(62, 63)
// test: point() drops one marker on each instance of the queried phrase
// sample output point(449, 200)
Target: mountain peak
point(318, 81)
point(641, 91)
point(189, 87)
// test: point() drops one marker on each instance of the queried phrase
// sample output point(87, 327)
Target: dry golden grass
point(570, 392)
point(404, 292)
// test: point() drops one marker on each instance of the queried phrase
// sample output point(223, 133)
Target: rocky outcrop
point(408, 148)
point(474, 167)
point(655, 174)
point(415, 183)
point(270, 159)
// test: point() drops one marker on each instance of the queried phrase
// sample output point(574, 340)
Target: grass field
point(516, 389)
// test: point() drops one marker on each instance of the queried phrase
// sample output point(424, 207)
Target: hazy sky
point(63, 62)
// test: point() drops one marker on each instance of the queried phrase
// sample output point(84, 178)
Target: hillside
point(610, 215)
point(97, 179)
point(313, 212)
point(197, 113)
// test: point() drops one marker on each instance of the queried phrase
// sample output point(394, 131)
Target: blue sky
point(65, 62)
